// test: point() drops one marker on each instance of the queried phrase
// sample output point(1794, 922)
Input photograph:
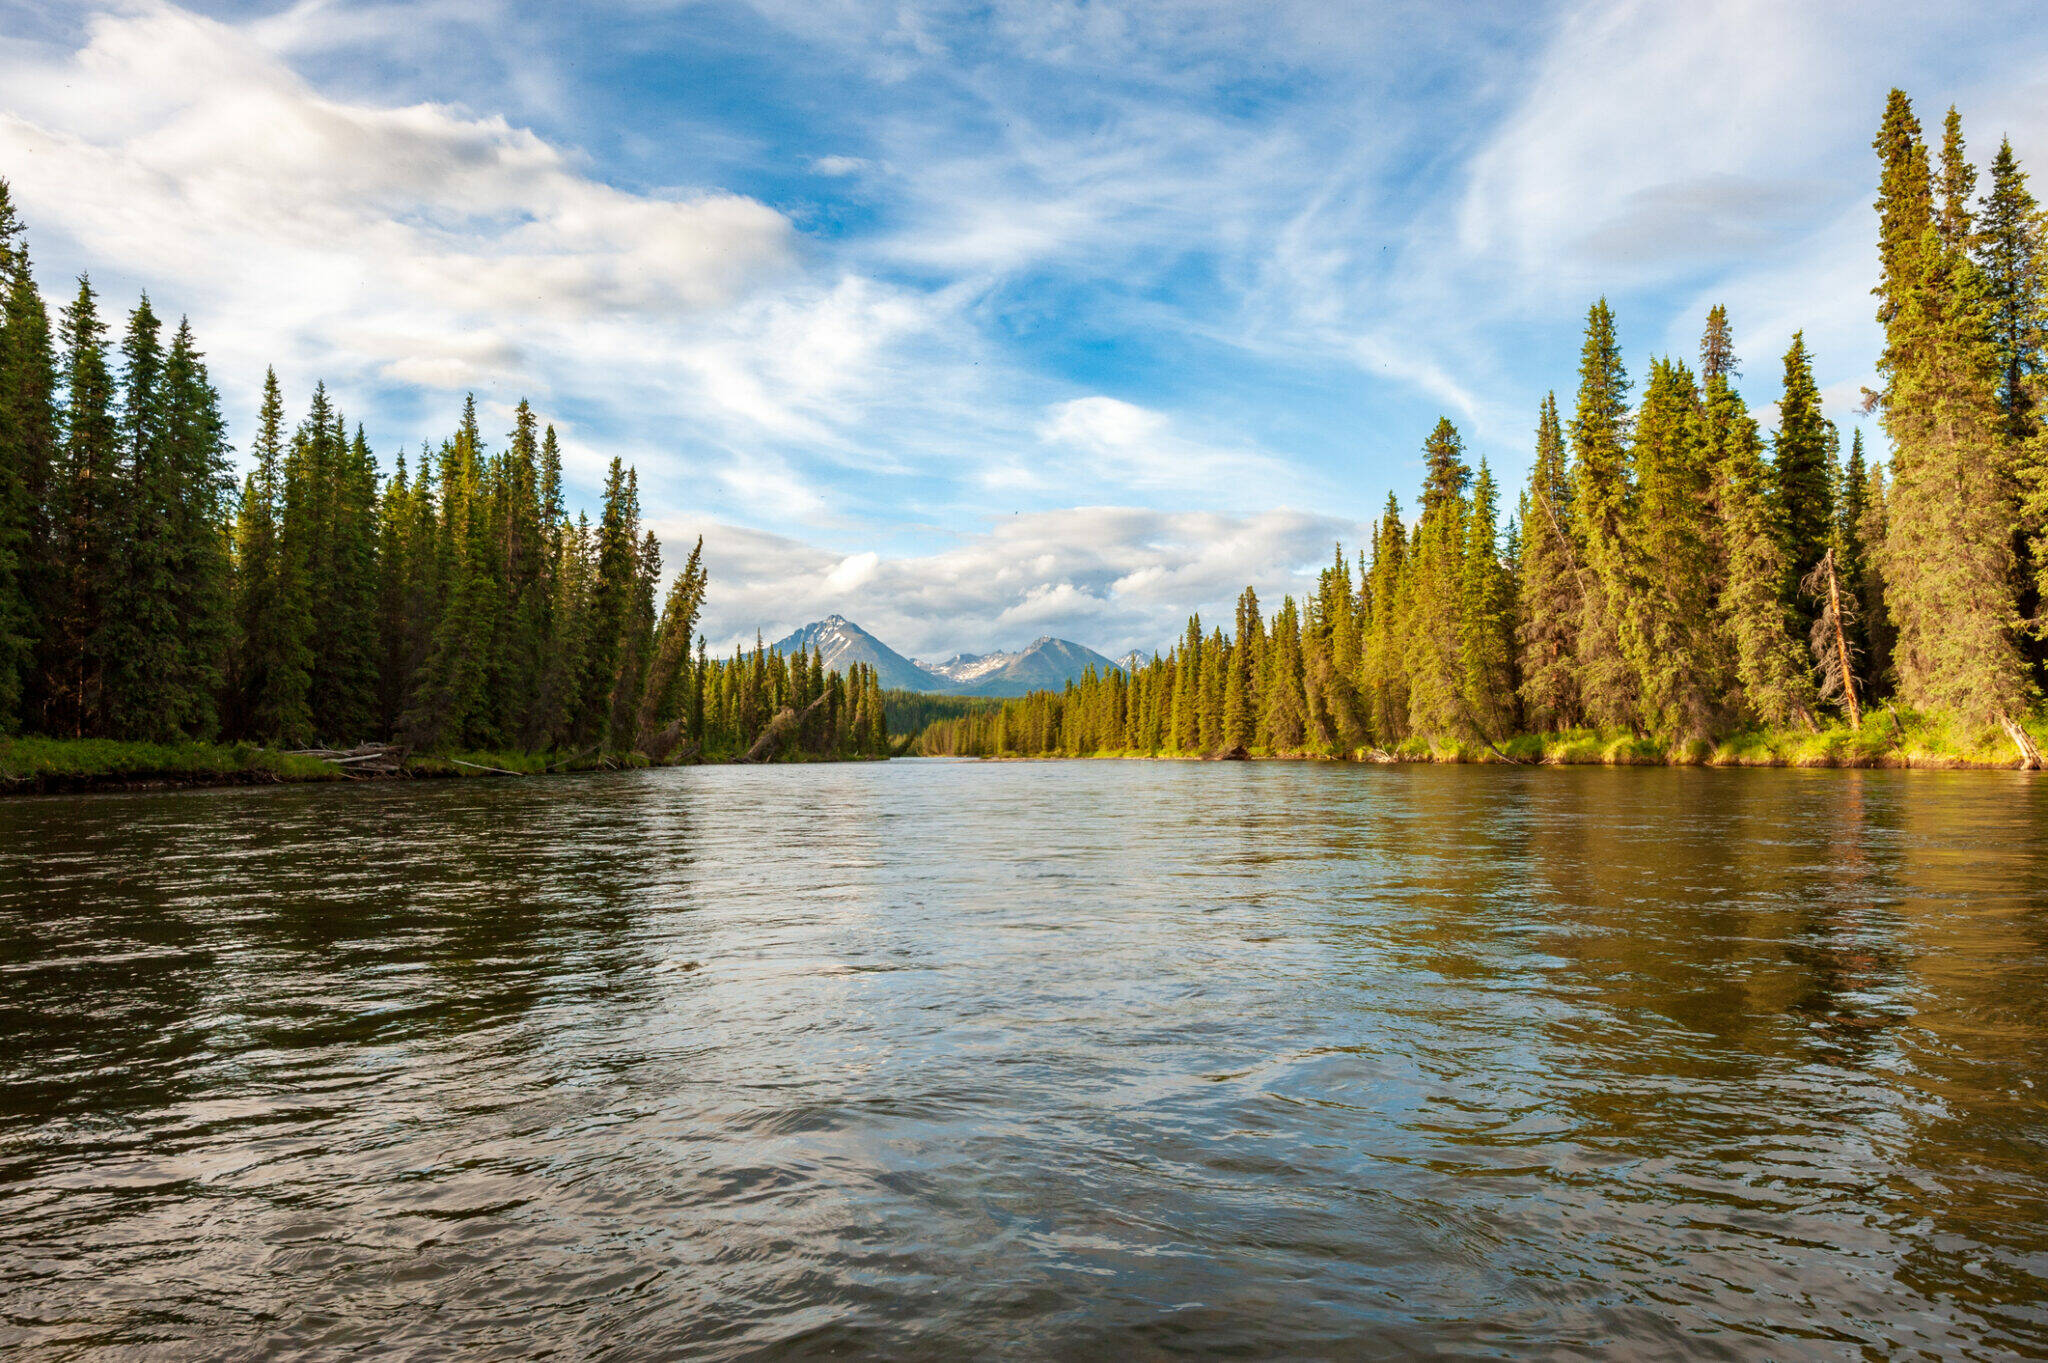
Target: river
point(1031, 1060)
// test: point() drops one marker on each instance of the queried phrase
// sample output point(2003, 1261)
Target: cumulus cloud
point(407, 253)
point(1105, 441)
point(221, 170)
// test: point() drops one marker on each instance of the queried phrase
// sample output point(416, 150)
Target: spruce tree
point(2011, 255)
point(1905, 200)
point(29, 443)
point(1803, 470)
point(454, 705)
point(1852, 554)
point(195, 436)
point(139, 630)
point(1486, 619)
point(84, 515)
point(1670, 628)
point(1385, 666)
point(611, 600)
point(1955, 218)
point(1762, 627)
point(348, 656)
point(1431, 622)
point(1552, 585)
point(1600, 431)
point(1947, 558)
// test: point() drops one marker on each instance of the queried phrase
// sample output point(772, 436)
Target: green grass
point(36, 761)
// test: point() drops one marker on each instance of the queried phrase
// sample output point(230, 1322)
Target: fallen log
point(782, 728)
point(2030, 754)
point(481, 767)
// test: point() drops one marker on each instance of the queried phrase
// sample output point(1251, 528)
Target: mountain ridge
point(1046, 663)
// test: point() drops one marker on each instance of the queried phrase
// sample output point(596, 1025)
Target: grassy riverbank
point(1884, 740)
point(35, 764)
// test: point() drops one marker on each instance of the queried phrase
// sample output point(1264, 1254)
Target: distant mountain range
point(1047, 664)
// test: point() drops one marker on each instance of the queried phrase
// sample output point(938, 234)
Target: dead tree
point(1830, 636)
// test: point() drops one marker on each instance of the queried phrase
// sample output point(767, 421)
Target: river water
point(1050, 1060)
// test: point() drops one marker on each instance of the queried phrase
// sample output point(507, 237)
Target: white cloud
point(1113, 578)
point(839, 165)
point(426, 247)
point(1100, 441)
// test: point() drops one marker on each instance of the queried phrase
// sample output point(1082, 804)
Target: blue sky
point(978, 322)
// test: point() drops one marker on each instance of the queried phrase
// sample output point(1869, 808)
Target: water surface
point(1049, 1060)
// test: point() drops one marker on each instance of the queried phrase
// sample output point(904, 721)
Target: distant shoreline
point(46, 766)
point(1908, 748)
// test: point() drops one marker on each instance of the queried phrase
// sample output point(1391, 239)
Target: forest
point(1672, 582)
point(451, 605)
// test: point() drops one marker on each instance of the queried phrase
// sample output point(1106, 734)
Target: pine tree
point(1385, 667)
point(2011, 255)
point(1430, 621)
point(346, 662)
point(1955, 218)
point(1600, 431)
point(138, 632)
point(1947, 558)
point(1670, 628)
point(1552, 585)
point(195, 437)
point(1880, 634)
point(1948, 561)
point(1905, 200)
point(637, 644)
point(661, 698)
point(1803, 471)
point(84, 525)
point(1758, 624)
point(1486, 619)
point(1852, 553)
point(611, 600)
point(29, 444)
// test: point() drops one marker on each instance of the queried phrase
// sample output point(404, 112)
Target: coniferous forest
point(1672, 575)
point(452, 604)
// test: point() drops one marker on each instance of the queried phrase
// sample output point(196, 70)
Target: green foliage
point(1803, 468)
point(456, 606)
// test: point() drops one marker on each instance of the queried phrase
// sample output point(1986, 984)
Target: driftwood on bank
point(478, 766)
point(365, 759)
point(788, 728)
point(2030, 753)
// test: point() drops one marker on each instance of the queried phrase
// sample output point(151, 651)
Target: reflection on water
point(1031, 1060)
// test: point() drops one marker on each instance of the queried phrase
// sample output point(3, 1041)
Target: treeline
point(1669, 571)
point(452, 605)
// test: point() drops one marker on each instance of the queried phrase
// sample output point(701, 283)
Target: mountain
point(1046, 665)
point(844, 643)
point(1131, 662)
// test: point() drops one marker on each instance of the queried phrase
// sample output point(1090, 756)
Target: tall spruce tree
point(196, 459)
point(84, 514)
point(1552, 585)
point(1670, 627)
point(1802, 468)
point(28, 449)
point(1948, 557)
point(1600, 431)
point(1486, 623)
point(1761, 628)
point(1431, 623)
point(2012, 253)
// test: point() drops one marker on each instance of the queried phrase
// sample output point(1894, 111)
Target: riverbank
point(1885, 740)
point(37, 765)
